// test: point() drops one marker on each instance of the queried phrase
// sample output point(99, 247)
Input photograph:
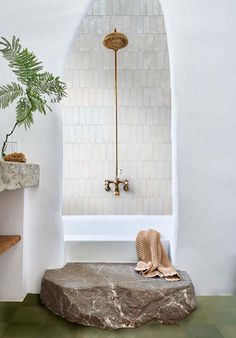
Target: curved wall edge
point(47, 28)
point(203, 70)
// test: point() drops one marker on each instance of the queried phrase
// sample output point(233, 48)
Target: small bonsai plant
point(33, 89)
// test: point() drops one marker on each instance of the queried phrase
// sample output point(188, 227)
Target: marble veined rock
point(14, 175)
point(113, 295)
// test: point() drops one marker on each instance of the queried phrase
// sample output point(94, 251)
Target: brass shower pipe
point(116, 41)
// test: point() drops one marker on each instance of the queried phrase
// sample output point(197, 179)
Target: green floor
point(214, 318)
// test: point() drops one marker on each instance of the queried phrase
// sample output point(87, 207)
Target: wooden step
point(7, 241)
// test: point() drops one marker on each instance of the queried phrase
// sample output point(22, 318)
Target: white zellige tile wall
point(144, 112)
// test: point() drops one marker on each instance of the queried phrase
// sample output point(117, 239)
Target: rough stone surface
point(113, 295)
point(18, 175)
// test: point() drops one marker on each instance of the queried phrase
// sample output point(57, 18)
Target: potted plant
point(32, 92)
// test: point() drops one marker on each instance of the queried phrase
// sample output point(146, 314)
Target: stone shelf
point(113, 296)
point(7, 241)
point(15, 175)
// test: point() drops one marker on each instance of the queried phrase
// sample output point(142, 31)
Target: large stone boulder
point(113, 295)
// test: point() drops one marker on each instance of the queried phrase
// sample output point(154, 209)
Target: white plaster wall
point(203, 80)
point(202, 61)
point(12, 276)
point(47, 28)
point(144, 112)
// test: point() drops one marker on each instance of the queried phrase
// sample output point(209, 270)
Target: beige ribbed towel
point(153, 259)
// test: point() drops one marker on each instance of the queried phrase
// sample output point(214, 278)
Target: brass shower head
point(115, 40)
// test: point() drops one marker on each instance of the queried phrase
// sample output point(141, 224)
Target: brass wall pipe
point(116, 41)
point(116, 100)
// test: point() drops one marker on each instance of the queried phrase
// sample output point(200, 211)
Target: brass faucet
point(117, 182)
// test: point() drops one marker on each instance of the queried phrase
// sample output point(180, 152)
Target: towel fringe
point(153, 259)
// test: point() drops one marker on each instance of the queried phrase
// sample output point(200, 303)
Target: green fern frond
point(37, 102)
point(38, 86)
point(9, 93)
point(24, 112)
point(15, 46)
point(47, 84)
point(22, 62)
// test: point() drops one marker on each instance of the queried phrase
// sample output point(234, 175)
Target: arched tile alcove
point(144, 112)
